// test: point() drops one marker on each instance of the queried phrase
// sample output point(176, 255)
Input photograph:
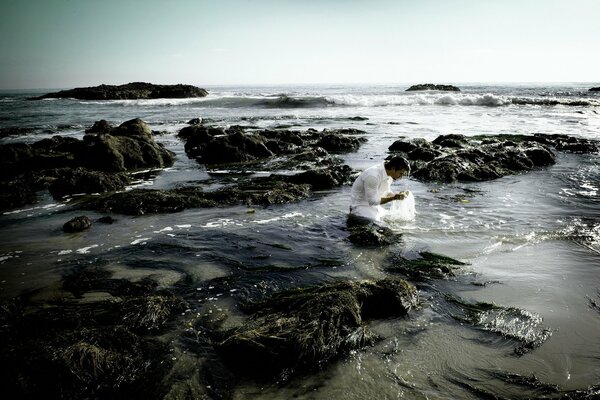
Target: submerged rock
point(304, 329)
point(431, 86)
point(129, 91)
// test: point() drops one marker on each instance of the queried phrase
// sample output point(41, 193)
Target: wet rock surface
point(304, 329)
point(68, 166)
point(129, 91)
point(451, 158)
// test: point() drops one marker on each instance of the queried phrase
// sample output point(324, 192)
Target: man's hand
point(400, 196)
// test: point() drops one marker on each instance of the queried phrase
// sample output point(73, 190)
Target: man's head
point(396, 167)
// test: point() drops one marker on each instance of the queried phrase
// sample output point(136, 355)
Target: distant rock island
point(431, 86)
point(595, 89)
point(129, 91)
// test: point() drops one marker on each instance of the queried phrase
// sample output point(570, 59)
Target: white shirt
point(368, 189)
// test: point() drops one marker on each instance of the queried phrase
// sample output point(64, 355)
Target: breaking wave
point(291, 101)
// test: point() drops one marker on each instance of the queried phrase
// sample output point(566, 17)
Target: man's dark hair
point(397, 162)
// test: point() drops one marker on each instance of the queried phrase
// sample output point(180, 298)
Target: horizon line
point(467, 83)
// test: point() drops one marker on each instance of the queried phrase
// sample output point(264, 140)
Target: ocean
point(531, 242)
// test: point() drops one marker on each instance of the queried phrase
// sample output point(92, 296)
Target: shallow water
point(531, 241)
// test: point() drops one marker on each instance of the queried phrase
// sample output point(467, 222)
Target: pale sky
point(72, 43)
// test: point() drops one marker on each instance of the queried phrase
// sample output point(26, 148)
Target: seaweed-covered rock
point(364, 233)
point(426, 266)
point(129, 91)
point(77, 224)
point(304, 329)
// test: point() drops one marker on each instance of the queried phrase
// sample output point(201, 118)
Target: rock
point(16, 193)
point(102, 126)
point(594, 89)
point(236, 145)
point(88, 349)
point(430, 86)
point(336, 143)
point(130, 91)
point(81, 180)
point(129, 146)
point(451, 158)
point(426, 266)
point(15, 131)
point(304, 329)
point(195, 121)
point(77, 224)
point(324, 178)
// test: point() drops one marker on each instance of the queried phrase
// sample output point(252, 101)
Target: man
point(372, 188)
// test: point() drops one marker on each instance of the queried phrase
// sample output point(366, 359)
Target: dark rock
point(127, 147)
point(457, 141)
point(233, 148)
point(594, 89)
point(130, 91)
point(365, 233)
point(91, 349)
point(80, 180)
point(77, 224)
point(102, 126)
point(336, 143)
point(451, 158)
point(426, 266)
point(324, 178)
point(16, 193)
point(431, 86)
point(304, 329)
point(195, 121)
point(15, 131)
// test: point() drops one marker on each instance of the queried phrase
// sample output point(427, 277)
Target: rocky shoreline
point(119, 346)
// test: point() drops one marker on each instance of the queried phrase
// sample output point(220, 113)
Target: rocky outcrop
point(129, 91)
point(431, 86)
point(68, 165)
point(304, 329)
point(451, 158)
point(594, 89)
point(212, 145)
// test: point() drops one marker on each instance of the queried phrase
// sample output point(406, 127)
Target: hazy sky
point(69, 43)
